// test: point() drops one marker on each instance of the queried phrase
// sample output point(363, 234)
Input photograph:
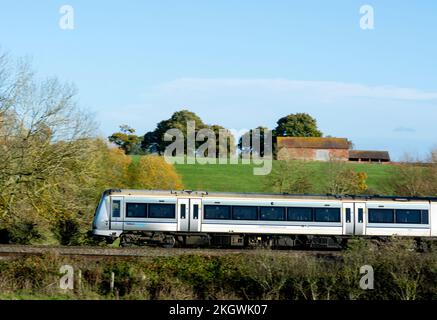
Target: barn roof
point(313, 143)
point(369, 154)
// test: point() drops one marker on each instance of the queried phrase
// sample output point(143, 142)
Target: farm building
point(369, 156)
point(319, 149)
point(325, 149)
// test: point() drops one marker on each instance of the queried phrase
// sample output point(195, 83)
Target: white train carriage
point(169, 217)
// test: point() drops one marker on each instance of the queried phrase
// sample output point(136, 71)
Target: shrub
point(153, 172)
point(67, 231)
point(23, 232)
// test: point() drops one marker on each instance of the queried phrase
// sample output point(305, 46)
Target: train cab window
point(327, 214)
point(408, 216)
point(116, 208)
point(300, 214)
point(217, 212)
point(244, 213)
point(162, 210)
point(136, 210)
point(272, 213)
point(425, 219)
point(381, 216)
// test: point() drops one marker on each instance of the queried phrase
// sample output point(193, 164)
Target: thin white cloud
point(404, 129)
point(323, 90)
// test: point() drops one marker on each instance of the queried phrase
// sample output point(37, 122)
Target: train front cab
point(107, 213)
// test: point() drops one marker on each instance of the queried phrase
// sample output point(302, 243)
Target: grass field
point(240, 178)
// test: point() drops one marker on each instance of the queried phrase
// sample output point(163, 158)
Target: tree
point(225, 141)
point(47, 165)
point(411, 180)
point(154, 140)
point(291, 177)
point(433, 172)
point(258, 133)
point(113, 168)
point(152, 172)
point(297, 125)
point(126, 140)
point(340, 179)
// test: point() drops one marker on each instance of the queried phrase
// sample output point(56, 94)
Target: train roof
point(205, 194)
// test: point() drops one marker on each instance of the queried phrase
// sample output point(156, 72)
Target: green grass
point(240, 178)
point(224, 177)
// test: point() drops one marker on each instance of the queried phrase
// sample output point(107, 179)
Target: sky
point(243, 63)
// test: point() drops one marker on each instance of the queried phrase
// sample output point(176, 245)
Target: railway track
point(17, 251)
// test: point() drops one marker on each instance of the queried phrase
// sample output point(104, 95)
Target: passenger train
point(169, 218)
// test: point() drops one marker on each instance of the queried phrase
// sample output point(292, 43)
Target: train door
point(360, 219)
point(117, 213)
point(195, 214)
point(183, 213)
point(348, 218)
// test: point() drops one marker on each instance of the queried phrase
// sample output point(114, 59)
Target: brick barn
point(317, 149)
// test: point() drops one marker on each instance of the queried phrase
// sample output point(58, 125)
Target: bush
point(153, 172)
point(399, 273)
point(340, 179)
point(290, 177)
point(24, 232)
point(67, 232)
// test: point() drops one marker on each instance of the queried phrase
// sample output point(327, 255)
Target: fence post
point(79, 281)
point(111, 285)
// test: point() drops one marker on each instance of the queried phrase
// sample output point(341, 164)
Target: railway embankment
point(393, 270)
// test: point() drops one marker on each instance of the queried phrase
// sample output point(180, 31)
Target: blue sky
point(243, 63)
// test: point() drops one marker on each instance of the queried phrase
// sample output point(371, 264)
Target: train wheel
point(126, 241)
point(169, 242)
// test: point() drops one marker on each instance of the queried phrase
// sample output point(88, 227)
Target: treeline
point(400, 272)
point(293, 125)
point(53, 166)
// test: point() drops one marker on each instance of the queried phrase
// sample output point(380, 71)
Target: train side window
point(136, 210)
point(348, 215)
point(244, 213)
point(217, 212)
point(360, 215)
point(183, 210)
point(272, 213)
point(162, 211)
point(408, 216)
point(116, 208)
point(300, 214)
point(425, 217)
point(196, 211)
point(327, 214)
point(381, 216)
